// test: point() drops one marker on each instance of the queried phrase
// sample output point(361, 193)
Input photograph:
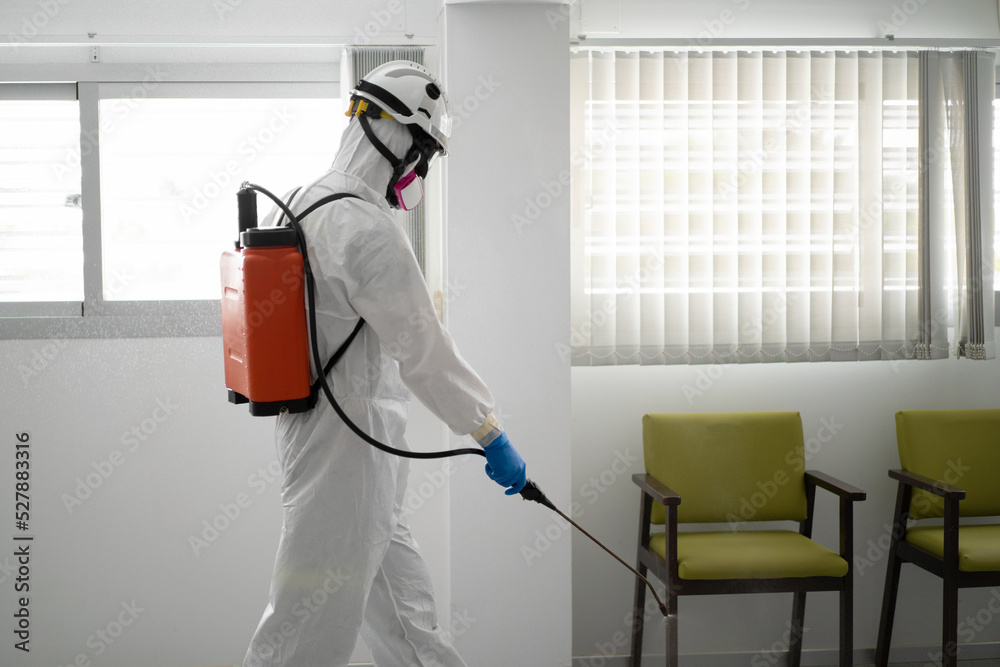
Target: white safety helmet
point(408, 93)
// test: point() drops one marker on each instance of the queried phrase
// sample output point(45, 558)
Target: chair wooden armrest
point(848, 495)
point(927, 484)
point(660, 492)
point(834, 485)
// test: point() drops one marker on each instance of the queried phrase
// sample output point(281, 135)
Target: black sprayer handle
point(246, 206)
point(532, 492)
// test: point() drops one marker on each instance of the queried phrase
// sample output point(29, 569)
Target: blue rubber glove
point(504, 465)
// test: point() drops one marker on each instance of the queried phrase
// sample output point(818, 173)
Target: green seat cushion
point(958, 447)
point(978, 546)
point(750, 554)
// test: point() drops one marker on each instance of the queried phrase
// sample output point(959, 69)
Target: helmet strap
point(403, 176)
point(377, 143)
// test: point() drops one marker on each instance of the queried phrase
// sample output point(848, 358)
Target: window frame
point(95, 317)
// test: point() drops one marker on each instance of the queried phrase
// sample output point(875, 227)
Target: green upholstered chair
point(735, 469)
point(951, 466)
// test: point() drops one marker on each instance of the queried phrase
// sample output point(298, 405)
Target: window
point(169, 170)
point(139, 178)
point(41, 246)
point(756, 205)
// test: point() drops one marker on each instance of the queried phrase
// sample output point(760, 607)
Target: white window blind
point(959, 89)
point(746, 206)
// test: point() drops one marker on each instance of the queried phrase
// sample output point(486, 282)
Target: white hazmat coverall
point(346, 562)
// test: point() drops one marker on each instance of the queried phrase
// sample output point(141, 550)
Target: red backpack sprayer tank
point(264, 317)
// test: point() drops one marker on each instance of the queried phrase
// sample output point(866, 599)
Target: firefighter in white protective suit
point(346, 563)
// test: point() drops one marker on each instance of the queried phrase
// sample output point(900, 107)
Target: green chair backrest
point(728, 467)
point(958, 447)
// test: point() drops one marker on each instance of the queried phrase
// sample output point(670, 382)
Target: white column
point(507, 193)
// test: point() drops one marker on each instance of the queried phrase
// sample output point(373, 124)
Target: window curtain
point(760, 206)
point(957, 91)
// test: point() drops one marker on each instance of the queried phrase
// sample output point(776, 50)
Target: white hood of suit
point(358, 157)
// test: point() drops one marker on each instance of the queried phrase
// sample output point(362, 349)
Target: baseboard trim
point(810, 657)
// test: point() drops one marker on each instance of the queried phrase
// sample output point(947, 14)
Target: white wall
point(238, 21)
point(509, 139)
point(702, 22)
point(858, 398)
point(147, 486)
point(133, 448)
point(847, 413)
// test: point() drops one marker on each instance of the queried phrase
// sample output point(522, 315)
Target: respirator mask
point(405, 189)
point(406, 185)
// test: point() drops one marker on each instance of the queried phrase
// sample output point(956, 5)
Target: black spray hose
point(530, 490)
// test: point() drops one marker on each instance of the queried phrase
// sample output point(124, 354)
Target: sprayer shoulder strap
point(315, 389)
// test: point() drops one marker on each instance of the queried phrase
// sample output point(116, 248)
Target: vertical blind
point(747, 206)
point(962, 87)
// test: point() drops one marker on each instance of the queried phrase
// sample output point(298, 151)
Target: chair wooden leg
point(888, 611)
point(892, 577)
point(949, 584)
point(847, 623)
point(671, 625)
point(638, 617)
point(949, 639)
point(795, 629)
